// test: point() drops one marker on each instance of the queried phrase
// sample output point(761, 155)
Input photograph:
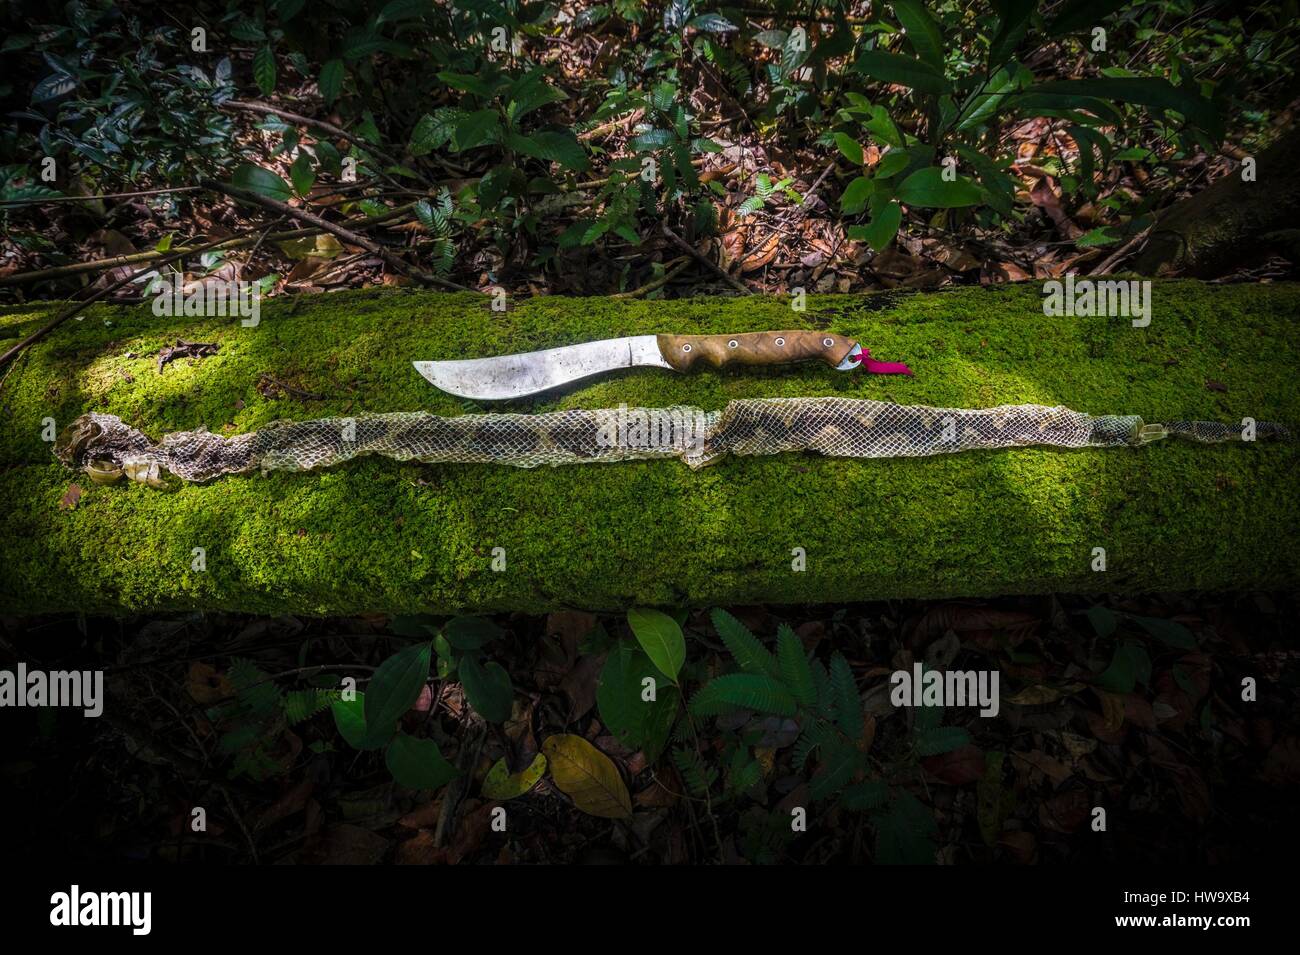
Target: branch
point(100, 265)
point(317, 124)
point(701, 257)
point(394, 261)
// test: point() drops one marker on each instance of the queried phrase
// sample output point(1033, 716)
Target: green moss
point(378, 535)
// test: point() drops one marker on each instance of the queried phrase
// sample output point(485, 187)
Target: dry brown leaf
point(762, 256)
point(206, 685)
point(1053, 769)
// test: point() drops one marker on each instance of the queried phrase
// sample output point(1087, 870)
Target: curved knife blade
point(514, 376)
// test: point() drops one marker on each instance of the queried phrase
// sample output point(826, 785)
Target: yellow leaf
point(587, 776)
point(502, 784)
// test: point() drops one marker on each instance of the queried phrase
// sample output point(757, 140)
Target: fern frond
point(844, 691)
point(743, 691)
point(751, 655)
point(804, 747)
point(256, 695)
point(796, 674)
point(822, 685)
point(865, 796)
point(300, 705)
point(698, 777)
point(838, 764)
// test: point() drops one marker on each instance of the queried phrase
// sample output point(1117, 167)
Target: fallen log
point(378, 535)
point(1232, 221)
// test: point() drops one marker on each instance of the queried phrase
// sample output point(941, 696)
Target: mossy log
point(1232, 222)
point(377, 535)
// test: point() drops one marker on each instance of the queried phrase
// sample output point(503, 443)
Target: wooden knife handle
point(753, 348)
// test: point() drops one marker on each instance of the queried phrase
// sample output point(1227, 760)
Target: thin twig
point(100, 265)
point(324, 126)
point(1115, 257)
point(451, 796)
point(104, 195)
point(394, 261)
point(701, 257)
point(676, 268)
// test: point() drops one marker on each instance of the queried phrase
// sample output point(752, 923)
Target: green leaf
point(850, 148)
point(882, 228)
point(651, 140)
point(470, 83)
point(711, 23)
point(54, 86)
point(855, 196)
point(396, 686)
point(350, 718)
point(902, 69)
point(264, 70)
point(1168, 631)
point(905, 832)
point(928, 189)
point(749, 654)
point(838, 764)
point(416, 626)
point(468, 633)
point(418, 763)
point(881, 125)
point(747, 691)
point(922, 31)
point(261, 181)
point(300, 705)
point(866, 795)
point(1081, 15)
point(892, 163)
point(1013, 23)
point(638, 723)
point(487, 687)
point(987, 100)
point(661, 638)
point(844, 691)
point(303, 174)
point(1103, 621)
point(430, 132)
point(1152, 92)
point(552, 146)
point(530, 92)
point(330, 83)
point(494, 185)
point(477, 129)
point(796, 674)
point(1128, 667)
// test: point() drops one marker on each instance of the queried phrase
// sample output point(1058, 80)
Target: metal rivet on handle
point(780, 343)
point(828, 342)
point(733, 343)
point(686, 347)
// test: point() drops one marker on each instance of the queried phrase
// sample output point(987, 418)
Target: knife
point(528, 373)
